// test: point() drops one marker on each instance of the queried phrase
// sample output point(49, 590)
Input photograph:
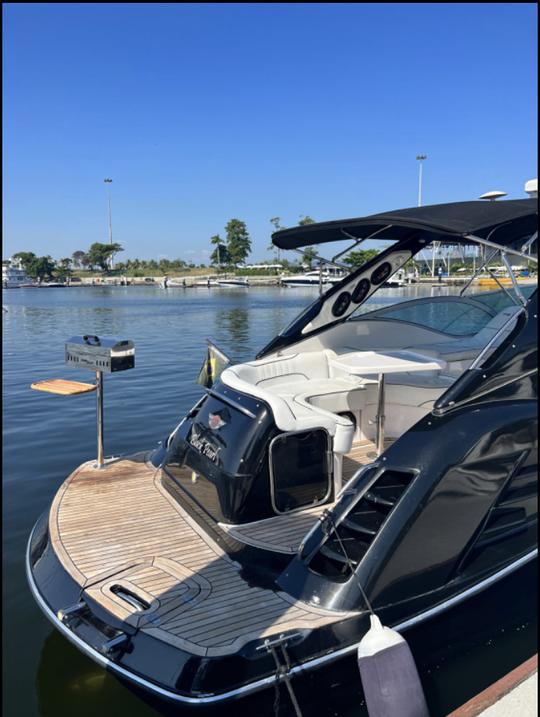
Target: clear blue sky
point(205, 112)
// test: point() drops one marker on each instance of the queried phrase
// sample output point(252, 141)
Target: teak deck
point(284, 533)
point(118, 527)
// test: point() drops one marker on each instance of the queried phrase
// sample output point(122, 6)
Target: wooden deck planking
point(120, 526)
point(285, 533)
point(63, 387)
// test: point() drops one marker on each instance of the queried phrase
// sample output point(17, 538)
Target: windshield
point(450, 314)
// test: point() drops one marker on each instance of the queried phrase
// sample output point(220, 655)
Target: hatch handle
point(130, 597)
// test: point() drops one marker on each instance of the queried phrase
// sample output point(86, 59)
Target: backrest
point(272, 372)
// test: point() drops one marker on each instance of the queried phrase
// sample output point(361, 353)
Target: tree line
point(230, 251)
point(46, 268)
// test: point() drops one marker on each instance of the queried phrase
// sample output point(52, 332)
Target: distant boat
point(52, 285)
point(15, 277)
point(205, 282)
point(396, 281)
point(173, 283)
point(234, 282)
point(313, 278)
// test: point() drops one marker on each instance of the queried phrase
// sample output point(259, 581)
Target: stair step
point(337, 556)
point(378, 498)
point(364, 523)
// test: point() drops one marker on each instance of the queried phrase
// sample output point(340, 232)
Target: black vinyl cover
point(505, 221)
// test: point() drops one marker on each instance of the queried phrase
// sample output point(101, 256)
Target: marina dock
point(191, 281)
point(514, 695)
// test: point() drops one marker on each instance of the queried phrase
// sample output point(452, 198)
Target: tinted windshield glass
point(499, 300)
point(457, 318)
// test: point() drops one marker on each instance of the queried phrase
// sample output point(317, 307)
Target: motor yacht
point(368, 457)
point(234, 281)
point(14, 276)
point(326, 277)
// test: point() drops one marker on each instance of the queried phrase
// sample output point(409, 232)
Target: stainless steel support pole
point(380, 416)
point(99, 412)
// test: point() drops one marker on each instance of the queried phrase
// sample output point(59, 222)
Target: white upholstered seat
point(301, 393)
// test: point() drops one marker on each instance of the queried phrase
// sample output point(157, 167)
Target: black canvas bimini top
point(501, 221)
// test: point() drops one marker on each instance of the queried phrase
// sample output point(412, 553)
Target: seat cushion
point(278, 370)
point(286, 384)
point(335, 395)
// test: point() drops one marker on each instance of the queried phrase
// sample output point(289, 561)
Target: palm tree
point(276, 221)
point(220, 252)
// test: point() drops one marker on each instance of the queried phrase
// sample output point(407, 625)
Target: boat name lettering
point(203, 446)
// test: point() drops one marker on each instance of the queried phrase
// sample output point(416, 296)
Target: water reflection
point(233, 330)
point(68, 683)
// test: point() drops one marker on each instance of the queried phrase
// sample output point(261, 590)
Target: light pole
point(435, 246)
point(108, 182)
point(420, 158)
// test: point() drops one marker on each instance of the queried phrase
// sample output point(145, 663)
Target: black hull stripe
point(266, 681)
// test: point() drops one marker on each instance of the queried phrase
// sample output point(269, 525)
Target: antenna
point(531, 188)
point(492, 196)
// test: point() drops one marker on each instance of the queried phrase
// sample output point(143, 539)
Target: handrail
point(520, 296)
point(478, 360)
point(501, 248)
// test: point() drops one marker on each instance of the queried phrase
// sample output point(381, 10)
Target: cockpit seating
point(303, 393)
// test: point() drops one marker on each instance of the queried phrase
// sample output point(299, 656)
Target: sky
point(205, 112)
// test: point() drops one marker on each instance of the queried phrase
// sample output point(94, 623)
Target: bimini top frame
point(456, 223)
point(514, 223)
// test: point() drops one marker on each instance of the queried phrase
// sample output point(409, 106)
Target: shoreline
point(189, 282)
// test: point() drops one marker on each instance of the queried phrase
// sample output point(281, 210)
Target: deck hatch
point(130, 597)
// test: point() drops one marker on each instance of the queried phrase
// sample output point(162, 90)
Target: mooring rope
point(328, 516)
point(282, 673)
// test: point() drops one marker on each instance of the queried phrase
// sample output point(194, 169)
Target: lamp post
point(420, 158)
point(108, 182)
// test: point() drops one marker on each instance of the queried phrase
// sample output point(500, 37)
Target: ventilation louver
point(359, 527)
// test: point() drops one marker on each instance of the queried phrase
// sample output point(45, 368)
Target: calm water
point(46, 437)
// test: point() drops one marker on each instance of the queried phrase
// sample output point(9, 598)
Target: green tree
point(25, 258)
point(41, 267)
point(100, 254)
point(78, 258)
point(63, 269)
point(276, 222)
point(359, 257)
point(220, 255)
point(238, 241)
point(309, 254)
